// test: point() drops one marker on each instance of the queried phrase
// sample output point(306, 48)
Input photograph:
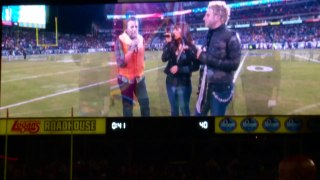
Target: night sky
point(75, 19)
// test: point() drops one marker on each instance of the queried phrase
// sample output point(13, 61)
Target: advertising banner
point(51, 126)
point(261, 124)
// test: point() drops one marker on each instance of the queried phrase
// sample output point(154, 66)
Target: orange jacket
point(135, 63)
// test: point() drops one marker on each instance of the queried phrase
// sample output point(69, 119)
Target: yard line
point(32, 67)
point(305, 108)
point(50, 74)
point(303, 57)
point(240, 67)
point(56, 94)
point(149, 70)
point(68, 91)
point(154, 69)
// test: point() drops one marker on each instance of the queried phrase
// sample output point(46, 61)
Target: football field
point(267, 82)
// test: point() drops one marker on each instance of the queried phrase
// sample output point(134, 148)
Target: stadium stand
point(298, 36)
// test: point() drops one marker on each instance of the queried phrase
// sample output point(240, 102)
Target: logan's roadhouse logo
point(52, 126)
point(26, 126)
point(70, 125)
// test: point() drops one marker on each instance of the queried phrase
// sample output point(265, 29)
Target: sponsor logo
point(271, 124)
point(228, 124)
point(293, 125)
point(314, 125)
point(257, 68)
point(249, 124)
point(26, 126)
point(69, 125)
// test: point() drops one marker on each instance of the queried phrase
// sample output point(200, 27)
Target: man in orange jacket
point(129, 50)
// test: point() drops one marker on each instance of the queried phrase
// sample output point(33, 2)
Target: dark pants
point(179, 97)
point(204, 110)
point(128, 90)
point(219, 99)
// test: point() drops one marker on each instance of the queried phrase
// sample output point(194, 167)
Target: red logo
point(26, 126)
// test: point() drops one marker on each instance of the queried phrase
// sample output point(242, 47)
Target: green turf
point(293, 85)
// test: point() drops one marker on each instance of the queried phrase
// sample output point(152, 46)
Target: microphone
point(135, 48)
point(135, 45)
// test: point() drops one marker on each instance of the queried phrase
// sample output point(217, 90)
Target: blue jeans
point(128, 90)
point(220, 99)
point(179, 97)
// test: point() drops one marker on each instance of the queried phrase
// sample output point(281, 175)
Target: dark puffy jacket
point(222, 56)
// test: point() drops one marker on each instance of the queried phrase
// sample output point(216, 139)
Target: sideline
point(302, 57)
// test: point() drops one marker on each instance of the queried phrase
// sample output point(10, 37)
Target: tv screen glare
point(78, 76)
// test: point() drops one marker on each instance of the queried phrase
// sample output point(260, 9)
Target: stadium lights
point(205, 28)
point(195, 10)
point(276, 23)
point(202, 29)
point(116, 16)
point(312, 20)
point(154, 15)
point(298, 21)
point(253, 3)
point(260, 24)
point(177, 13)
point(242, 25)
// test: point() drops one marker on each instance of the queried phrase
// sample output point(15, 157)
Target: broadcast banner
point(260, 124)
point(51, 126)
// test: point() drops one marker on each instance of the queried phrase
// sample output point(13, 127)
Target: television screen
point(76, 65)
point(33, 16)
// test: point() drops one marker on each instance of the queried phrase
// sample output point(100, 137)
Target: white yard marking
point(305, 108)
point(240, 67)
point(68, 91)
point(50, 74)
point(55, 94)
point(303, 57)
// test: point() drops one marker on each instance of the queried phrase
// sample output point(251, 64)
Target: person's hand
point(174, 69)
point(168, 37)
point(134, 44)
point(199, 50)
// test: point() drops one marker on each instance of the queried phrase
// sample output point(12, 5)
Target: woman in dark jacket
point(180, 55)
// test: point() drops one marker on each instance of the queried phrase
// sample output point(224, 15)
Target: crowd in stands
point(299, 36)
point(276, 10)
point(15, 41)
point(295, 36)
point(282, 10)
point(19, 41)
